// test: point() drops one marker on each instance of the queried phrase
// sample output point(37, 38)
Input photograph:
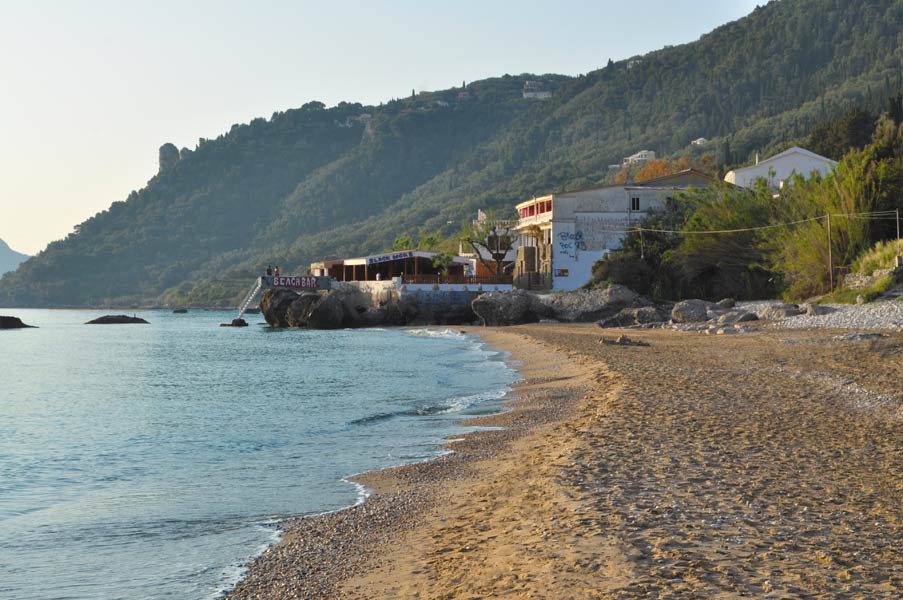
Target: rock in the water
point(274, 304)
point(726, 303)
point(13, 323)
point(628, 317)
point(780, 311)
point(235, 323)
point(180, 311)
point(507, 308)
point(586, 306)
point(116, 320)
point(692, 311)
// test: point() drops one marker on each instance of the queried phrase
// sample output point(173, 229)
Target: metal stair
point(249, 298)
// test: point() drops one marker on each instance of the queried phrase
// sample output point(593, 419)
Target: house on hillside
point(563, 234)
point(534, 90)
point(641, 156)
point(781, 167)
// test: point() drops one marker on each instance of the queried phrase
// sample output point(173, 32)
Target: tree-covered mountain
point(317, 182)
point(9, 258)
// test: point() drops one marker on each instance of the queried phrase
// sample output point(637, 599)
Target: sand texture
point(763, 465)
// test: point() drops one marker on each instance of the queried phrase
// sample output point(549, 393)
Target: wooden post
point(366, 272)
point(830, 256)
point(416, 265)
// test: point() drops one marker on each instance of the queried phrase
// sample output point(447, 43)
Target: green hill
point(317, 182)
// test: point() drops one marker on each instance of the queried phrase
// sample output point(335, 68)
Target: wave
point(453, 405)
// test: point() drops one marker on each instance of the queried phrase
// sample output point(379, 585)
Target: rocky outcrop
point(694, 311)
point(509, 308)
point(586, 306)
point(169, 156)
point(117, 320)
point(13, 323)
point(274, 305)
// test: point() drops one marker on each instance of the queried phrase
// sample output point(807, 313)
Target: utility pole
point(830, 256)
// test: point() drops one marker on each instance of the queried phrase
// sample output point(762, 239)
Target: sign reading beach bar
point(297, 282)
point(372, 260)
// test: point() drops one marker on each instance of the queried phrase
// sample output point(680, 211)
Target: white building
point(534, 90)
point(699, 142)
point(780, 167)
point(641, 156)
point(571, 231)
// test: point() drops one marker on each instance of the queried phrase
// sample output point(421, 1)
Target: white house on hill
point(780, 167)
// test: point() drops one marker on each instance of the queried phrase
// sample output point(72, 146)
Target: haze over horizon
point(93, 91)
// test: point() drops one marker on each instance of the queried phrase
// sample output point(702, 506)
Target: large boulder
point(13, 323)
point(508, 308)
point(628, 317)
point(274, 305)
point(316, 310)
point(585, 306)
point(780, 311)
point(693, 311)
point(736, 316)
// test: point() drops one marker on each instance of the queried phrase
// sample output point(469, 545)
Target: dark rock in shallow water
point(252, 311)
point(235, 323)
point(13, 323)
point(116, 320)
point(180, 311)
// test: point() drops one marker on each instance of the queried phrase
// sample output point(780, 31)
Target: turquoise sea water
point(152, 461)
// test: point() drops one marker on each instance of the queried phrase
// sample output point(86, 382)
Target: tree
point(491, 241)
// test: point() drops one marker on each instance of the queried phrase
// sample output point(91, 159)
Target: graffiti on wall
point(601, 233)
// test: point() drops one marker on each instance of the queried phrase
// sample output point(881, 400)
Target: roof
point(656, 182)
point(397, 255)
point(788, 152)
point(680, 175)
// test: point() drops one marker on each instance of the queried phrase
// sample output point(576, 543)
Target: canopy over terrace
point(410, 264)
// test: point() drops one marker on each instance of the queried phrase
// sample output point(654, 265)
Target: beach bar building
point(563, 234)
point(413, 266)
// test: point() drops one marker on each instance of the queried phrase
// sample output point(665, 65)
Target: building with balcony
point(563, 234)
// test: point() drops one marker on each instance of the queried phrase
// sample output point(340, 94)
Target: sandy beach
point(758, 465)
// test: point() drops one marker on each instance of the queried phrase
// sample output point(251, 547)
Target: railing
point(457, 279)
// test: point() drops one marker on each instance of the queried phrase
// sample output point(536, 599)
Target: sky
point(90, 90)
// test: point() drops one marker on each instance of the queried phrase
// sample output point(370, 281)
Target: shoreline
point(758, 465)
point(317, 554)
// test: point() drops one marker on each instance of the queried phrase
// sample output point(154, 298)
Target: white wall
point(778, 170)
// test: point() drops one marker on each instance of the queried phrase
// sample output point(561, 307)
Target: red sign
point(301, 281)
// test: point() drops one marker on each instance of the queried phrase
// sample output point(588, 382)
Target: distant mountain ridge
point(315, 182)
point(9, 258)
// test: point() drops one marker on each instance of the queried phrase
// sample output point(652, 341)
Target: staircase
point(249, 298)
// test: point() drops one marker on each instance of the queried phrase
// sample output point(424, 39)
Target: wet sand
point(759, 465)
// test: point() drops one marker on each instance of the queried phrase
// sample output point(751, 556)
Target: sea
point(154, 461)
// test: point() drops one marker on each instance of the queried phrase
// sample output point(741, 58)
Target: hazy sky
point(90, 90)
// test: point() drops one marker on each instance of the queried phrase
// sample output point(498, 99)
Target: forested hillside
point(316, 181)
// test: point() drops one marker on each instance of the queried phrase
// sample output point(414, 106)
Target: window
point(634, 204)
